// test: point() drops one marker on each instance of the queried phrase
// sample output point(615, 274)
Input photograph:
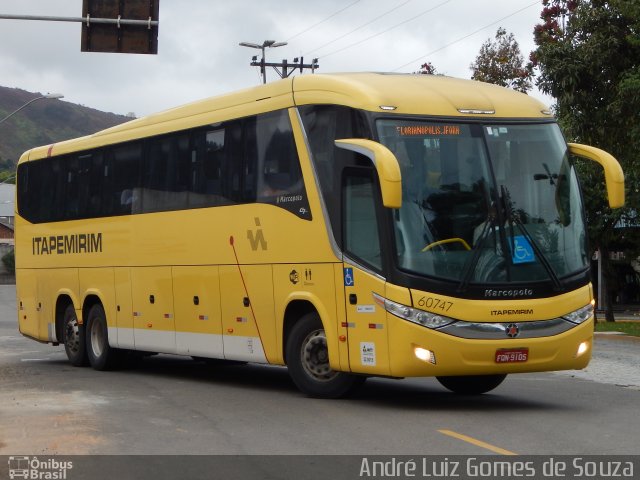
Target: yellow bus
point(346, 226)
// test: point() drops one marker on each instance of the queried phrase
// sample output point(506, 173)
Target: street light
point(48, 95)
point(265, 44)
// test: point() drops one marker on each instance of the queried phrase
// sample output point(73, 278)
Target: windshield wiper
point(515, 219)
point(470, 265)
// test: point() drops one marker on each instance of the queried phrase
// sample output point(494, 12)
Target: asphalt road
point(172, 405)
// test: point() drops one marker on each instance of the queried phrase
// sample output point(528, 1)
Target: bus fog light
point(424, 355)
point(582, 348)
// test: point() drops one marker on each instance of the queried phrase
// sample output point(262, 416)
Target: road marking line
point(477, 442)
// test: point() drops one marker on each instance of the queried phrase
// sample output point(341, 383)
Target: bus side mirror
point(386, 165)
point(613, 175)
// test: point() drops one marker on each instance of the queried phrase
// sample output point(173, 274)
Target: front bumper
point(463, 356)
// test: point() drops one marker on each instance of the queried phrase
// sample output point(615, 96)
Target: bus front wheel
point(308, 361)
point(101, 355)
point(73, 338)
point(471, 384)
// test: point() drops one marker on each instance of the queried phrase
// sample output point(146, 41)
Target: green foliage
point(629, 328)
point(7, 171)
point(44, 122)
point(7, 164)
point(587, 54)
point(9, 262)
point(500, 62)
point(8, 176)
point(427, 69)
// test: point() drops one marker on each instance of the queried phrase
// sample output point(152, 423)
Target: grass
point(630, 328)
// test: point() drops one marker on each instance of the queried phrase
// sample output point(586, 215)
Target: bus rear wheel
point(73, 338)
point(101, 355)
point(471, 384)
point(308, 361)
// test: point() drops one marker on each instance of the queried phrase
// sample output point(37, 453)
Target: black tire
point(73, 338)
point(471, 384)
point(308, 361)
point(101, 355)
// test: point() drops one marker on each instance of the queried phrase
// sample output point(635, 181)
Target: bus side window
point(94, 181)
point(24, 185)
point(323, 125)
point(278, 167)
point(207, 159)
point(125, 184)
point(360, 229)
point(182, 165)
point(41, 186)
point(156, 175)
point(89, 185)
point(164, 182)
point(54, 178)
point(71, 172)
point(244, 163)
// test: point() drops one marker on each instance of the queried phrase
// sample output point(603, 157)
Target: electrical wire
point(387, 30)
point(465, 37)
point(322, 21)
point(358, 28)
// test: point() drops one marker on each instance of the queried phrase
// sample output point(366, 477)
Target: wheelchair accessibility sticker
point(348, 277)
point(522, 250)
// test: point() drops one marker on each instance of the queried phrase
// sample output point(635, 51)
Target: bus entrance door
point(366, 323)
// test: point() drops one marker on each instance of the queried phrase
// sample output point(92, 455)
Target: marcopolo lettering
point(523, 292)
point(288, 198)
point(66, 244)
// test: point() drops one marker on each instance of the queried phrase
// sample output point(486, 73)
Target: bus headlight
point(419, 317)
point(581, 315)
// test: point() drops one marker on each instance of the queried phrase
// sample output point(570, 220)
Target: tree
point(8, 176)
point(7, 171)
point(501, 62)
point(588, 55)
point(427, 69)
point(9, 262)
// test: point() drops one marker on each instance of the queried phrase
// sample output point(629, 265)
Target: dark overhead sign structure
point(120, 26)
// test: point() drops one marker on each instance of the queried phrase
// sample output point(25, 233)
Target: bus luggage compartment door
point(154, 324)
point(248, 324)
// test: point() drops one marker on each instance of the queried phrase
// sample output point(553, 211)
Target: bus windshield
point(486, 203)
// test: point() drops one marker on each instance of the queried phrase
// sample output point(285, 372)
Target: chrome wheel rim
point(98, 338)
point(315, 356)
point(72, 335)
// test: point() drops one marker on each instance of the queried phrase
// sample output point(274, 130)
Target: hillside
point(44, 122)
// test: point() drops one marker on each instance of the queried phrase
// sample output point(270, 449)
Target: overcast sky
point(198, 52)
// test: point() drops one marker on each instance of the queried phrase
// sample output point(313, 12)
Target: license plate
point(512, 355)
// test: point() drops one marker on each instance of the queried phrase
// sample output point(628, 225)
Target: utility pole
point(265, 44)
point(284, 69)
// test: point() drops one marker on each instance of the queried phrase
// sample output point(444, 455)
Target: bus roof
point(435, 95)
point(432, 95)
